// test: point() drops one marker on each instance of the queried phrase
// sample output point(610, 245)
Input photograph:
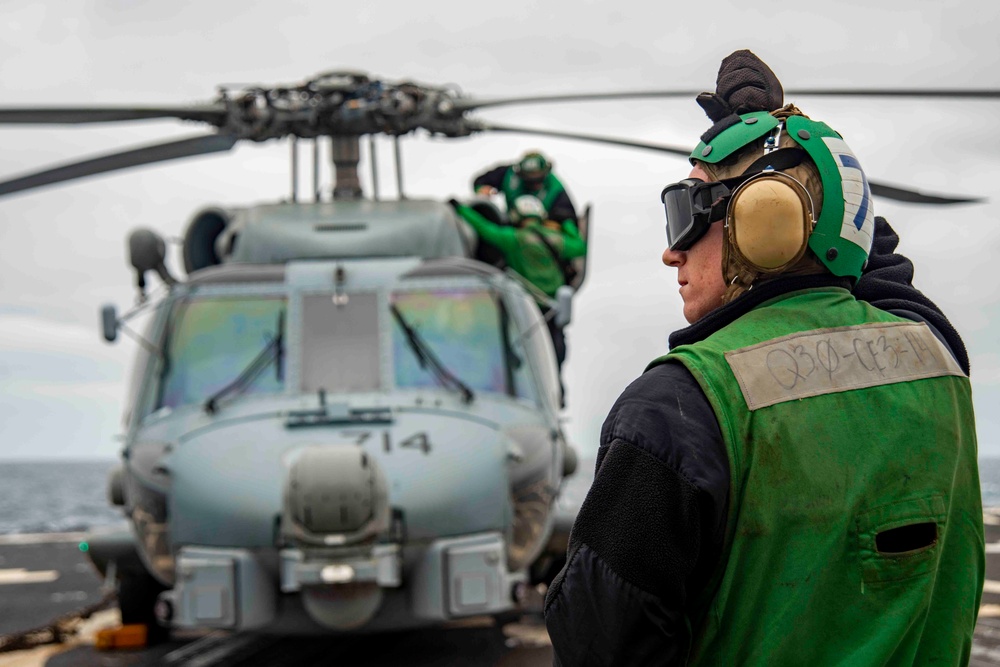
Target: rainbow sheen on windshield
point(461, 327)
point(213, 341)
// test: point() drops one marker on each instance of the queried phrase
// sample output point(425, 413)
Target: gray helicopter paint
point(227, 484)
point(184, 429)
point(459, 494)
point(358, 275)
point(457, 471)
point(347, 228)
point(227, 588)
point(475, 483)
point(238, 273)
point(450, 578)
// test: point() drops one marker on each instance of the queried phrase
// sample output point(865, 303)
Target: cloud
point(64, 246)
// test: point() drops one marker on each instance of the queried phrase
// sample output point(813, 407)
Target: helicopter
point(342, 419)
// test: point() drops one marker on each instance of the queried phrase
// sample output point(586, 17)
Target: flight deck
point(44, 577)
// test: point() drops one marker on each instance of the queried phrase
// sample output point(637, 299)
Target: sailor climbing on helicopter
point(538, 249)
point(531, 175)
point(796, 481)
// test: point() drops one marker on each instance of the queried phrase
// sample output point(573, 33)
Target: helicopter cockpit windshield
point(469, 339)
point(214, 342)
point(467, 330)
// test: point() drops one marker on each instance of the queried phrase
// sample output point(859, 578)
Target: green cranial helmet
point(533, 167)
point(842, 237)
point(528, 207)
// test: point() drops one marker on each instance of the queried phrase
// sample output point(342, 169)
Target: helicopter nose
point(334, 495)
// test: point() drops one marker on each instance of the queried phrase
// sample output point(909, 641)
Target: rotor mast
point(344, 106)
point(346, 156)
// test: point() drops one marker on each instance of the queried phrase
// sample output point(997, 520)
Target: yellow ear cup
point(769, 221)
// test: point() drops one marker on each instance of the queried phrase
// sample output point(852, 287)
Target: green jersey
point(854, 531)
point(513, 187)
point(525, 251)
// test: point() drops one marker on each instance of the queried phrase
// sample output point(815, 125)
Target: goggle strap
point(779, 160)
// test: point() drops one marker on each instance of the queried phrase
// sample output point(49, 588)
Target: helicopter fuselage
point(342, 444)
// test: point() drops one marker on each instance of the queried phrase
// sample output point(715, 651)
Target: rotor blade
point(615, 141)
point(209, 143)
point(915, 196)
point(469, 104)
point(214, 114)
point(878, 189)
point(957, 93)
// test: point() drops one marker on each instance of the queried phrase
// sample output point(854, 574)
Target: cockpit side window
point(212, 341)
point(517, 356)
point(461, 327)
point(538, 346)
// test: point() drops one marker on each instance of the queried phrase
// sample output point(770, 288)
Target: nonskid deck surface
point(986, 644)
point(46, 576)
point(43, 577)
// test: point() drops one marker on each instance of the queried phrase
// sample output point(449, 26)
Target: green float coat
point(813, 481)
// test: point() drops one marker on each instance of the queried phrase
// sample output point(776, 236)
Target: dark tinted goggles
point(692, 205)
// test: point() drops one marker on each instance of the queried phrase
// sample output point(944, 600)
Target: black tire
point(137, 593)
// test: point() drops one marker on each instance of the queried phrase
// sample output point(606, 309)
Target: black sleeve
point(650, 531)
point(886, 283)
point(492, 178)
point(563, 209)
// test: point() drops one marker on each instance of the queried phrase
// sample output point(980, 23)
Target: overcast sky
point(63, 247)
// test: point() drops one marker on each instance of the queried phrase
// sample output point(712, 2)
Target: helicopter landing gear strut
point(137, 596)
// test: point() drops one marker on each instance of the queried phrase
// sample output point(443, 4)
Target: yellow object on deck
point(125, 636)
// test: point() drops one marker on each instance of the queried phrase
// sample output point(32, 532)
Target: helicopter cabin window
point(223, 345)
point(340, 343)
point(454, 332)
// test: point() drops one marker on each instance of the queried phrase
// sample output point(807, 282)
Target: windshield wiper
point(273, 351)
point(426, 357)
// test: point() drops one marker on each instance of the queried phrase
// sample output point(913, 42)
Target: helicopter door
point(340, 343)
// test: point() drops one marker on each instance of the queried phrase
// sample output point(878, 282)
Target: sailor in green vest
point(537, 248)
point(531, 175)
point(796, 482)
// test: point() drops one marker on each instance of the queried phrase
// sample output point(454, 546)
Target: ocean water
point(53, 497)
point(989, 481)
